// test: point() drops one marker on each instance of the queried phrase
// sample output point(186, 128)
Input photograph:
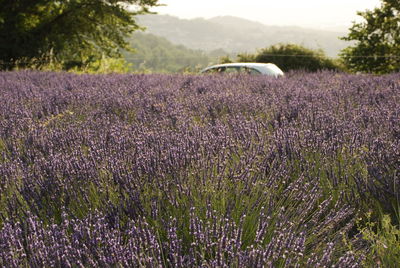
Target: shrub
point(292, 57)
point(384, 239)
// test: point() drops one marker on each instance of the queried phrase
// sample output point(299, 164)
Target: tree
point(70, 32)
point(292, 57)
point(377, 37)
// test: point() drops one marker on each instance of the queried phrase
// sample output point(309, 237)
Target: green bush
point(293, 57)
point(384, 242)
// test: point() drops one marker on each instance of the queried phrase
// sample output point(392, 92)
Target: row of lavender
point(183, 171)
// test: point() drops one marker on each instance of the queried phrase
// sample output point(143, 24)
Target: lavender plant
point(195, 171)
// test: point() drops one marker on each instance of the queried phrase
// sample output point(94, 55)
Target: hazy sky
point(306, 13)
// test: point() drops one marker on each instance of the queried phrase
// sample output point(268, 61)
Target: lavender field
point(196, 171)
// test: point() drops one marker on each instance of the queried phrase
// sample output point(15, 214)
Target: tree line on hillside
point(88, 35)
point(152, 53)
point(236, 34)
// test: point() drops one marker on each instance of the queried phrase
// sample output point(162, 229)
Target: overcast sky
point(305, 13)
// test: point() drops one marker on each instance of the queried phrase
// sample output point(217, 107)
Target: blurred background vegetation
point(87, 36)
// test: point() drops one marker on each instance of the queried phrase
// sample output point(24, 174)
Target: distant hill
point(158, 55)
point(237, 35)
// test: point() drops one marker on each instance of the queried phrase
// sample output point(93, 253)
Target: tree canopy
point(70, 32)
point(377, 47)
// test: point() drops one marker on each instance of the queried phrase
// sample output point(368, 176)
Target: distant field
point(196, 171)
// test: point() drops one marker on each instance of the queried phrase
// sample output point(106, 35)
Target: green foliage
point(156, 54)
point(225, 59)
point(108, 65)
point(73, 34)
point(246, 57)
point(377, 47)
point(292, 57)
point(384, 241)
point(102, 65)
